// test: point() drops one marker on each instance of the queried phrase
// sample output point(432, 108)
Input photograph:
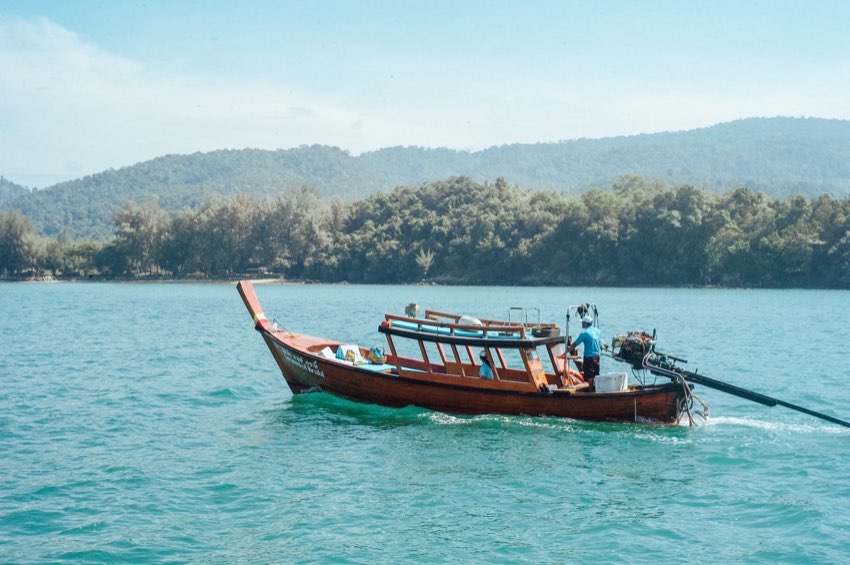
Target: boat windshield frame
point(498, 339)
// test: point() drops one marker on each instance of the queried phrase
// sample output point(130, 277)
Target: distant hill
point(780, 156)
point(85, 207)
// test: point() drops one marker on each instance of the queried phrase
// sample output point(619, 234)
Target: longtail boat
point(434, 362)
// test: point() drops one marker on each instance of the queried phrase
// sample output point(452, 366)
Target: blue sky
point(90, 85)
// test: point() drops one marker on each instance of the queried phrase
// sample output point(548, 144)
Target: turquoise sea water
point(149, 423)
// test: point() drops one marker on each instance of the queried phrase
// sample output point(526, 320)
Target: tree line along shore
point(459, 231)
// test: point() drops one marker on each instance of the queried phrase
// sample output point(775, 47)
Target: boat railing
point(523, 315)
point(485, 328)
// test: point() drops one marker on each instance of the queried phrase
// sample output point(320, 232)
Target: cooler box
point(612, 382)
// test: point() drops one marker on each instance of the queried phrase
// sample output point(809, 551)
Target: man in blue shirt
point(590, 337)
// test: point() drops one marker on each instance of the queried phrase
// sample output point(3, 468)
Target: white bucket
point(611, 382)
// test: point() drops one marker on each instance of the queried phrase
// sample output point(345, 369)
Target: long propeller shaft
point(758, 397)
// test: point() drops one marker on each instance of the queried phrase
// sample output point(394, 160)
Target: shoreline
point(263, 281)
point(270, 281)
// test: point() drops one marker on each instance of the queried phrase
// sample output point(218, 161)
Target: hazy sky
point(89, 85)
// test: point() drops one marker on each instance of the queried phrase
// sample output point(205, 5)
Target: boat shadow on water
point(327, 409)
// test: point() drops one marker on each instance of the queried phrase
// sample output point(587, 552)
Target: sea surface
point(148, 423)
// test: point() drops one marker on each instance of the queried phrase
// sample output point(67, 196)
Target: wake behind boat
point(435, 362)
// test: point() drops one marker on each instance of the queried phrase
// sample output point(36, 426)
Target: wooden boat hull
point(434, 387)
point(308, 372)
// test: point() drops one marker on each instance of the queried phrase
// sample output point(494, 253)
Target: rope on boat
point(276, 326)
point(689, 396)
point(688, 402)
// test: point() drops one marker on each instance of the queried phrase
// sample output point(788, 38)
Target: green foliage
point(10, 191)
point(140, 233)
point(67, 258)
point(462, 231)
point(227, 236)
point(779, 156)
point(20, 250)
point(464, 228)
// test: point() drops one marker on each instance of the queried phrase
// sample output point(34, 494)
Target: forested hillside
point(461, 231)
point(778, 156)
point(86, 207)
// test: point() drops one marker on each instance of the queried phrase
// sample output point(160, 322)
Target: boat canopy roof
point(450, 328)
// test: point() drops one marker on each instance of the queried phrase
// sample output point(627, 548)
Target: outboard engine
point(632, 348)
